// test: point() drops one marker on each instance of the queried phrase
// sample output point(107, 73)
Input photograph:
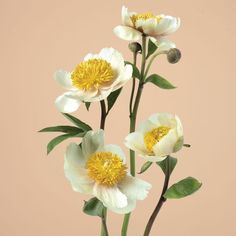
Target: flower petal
point(135, 188)
point(153, 158)
point(78, 178)
point(166, 145)
point(66, 104)
point(111, 197)
point(127, 33)
point(135, 142)
point(75, 156)
point(131, 204)
point(125, 16)
point(116, 150)
point(63, 78)
point(92, 141)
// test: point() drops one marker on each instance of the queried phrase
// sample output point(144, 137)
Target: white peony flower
point(156, 138)
point(100, 170)
point(93, 79)
point(134, 25)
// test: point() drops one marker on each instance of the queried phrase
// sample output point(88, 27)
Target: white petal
point(111, 197)
point(179, 127)
point(153, 158)
point(166, 145)
point(163, 44)
point(63, 78)
point(135, 142)
point(146, 126)
point(163, 119)
point(74, 155)
point(125, 16)
point(66, 104)
point(125, 77)
point(101, 95)
point(135, 188)
point(127, 33)
point(131, 204)
point(149, 26)
point(78, 178)
point(92, 141)
point(116, 150)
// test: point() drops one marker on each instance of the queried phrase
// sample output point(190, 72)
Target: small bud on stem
point(135, 47)
point(174, 55)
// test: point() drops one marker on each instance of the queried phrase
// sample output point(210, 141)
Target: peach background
point(38, 37)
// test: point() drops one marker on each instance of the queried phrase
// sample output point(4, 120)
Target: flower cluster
point(101, 170)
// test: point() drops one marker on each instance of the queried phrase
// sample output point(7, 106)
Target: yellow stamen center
point(154, 136)
point(144, 16)
point(92, 74)
point(106, 168)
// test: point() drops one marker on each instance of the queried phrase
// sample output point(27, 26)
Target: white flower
point(163, 45)
point(93, 79)
point(134, 25)
point(100, 170)
point(156, 138)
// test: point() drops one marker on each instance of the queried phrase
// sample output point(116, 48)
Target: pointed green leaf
point(160, 82)
point(63, 129)
point(183, 188)
point(54, 142)
point(152, 47)
point(111, 99)
point(136, 72)
point(169, 162)
point(145, 166)
point(93, 207)
point(179, 144)
point(77, 122)
point(87, 105)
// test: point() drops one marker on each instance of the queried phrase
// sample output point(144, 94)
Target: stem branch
point(160, 202)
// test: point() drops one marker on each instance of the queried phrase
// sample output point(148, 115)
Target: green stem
point(151, 61)
point(104, 231)
point(103, 114)
point(161, 201)
point(133, 85)
point(133, 116)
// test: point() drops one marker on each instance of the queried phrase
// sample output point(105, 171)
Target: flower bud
point(135, 47)
point(174, 55)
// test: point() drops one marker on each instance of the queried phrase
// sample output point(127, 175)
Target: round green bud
point(135, 47)
point(174, 55)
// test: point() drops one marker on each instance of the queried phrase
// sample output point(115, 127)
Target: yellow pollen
point(154, 136)
point(144, 16)
point(92, 74)
point(106, 168)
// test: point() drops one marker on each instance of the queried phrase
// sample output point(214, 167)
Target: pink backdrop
point(38, 37)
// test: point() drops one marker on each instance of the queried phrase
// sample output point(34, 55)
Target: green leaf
point(93, 207)
point(54, 142)
point(87, 105)
point(111, 99)
point(77, 122)
point(183, 188)
point(152, 47)
point(179, 144)
point(171, 161)
point(63, 129)
point(136, 72)
point(145, 166)
point(160, 82)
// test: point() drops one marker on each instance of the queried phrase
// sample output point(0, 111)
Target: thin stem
point(133, 85)
point(133, 116)
point(160, 202)
point(104, 231)
point(151, 61)
point(103, 114)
